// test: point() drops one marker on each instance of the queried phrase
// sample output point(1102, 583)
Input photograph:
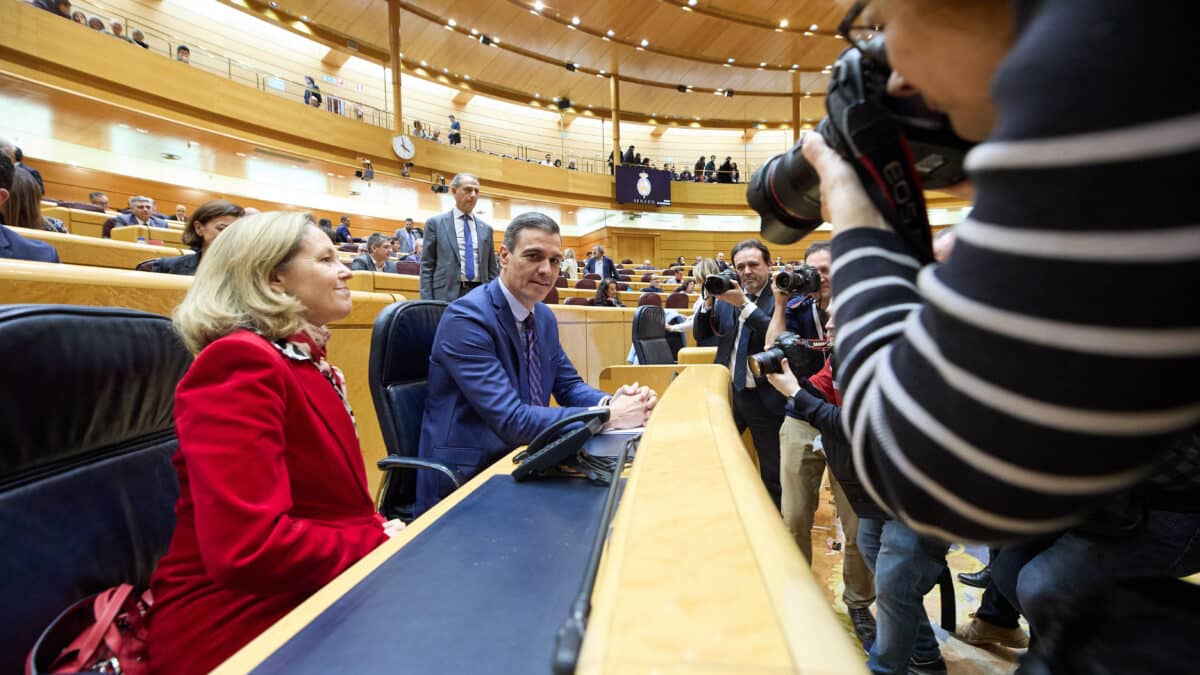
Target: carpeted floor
point(961, 658)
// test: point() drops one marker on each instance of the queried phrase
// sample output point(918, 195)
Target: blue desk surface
point(481, 590)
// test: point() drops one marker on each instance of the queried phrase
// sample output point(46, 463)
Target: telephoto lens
point(804, 360)
point(802, 279)
point(716, 284)
point(766, 362)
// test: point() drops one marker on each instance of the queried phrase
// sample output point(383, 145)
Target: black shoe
point(934, 667)
point(864, 626)
point(978, 579)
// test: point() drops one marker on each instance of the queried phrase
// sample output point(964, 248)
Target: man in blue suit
point(496, 360)
point(13, 245)
point(739, 318)
point(601, 264)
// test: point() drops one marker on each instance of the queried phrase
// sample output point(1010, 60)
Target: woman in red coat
point(273, 500)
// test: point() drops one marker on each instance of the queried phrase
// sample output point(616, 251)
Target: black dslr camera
point(716, 284)
point(898, 147)
point(803, 279)
point(804, 357)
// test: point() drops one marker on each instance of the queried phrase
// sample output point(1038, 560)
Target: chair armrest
point(393, 463)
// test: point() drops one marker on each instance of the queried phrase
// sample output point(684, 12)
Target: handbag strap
point(108, 604)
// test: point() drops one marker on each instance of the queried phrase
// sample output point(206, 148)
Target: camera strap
point(885, 167)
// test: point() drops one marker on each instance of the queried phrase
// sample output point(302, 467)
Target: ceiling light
point(783, 23)
point(445, 70)
point(574, 21)
point(423, 63)
point(123, 125)
point(466, 77)
point(539, 5)
point(304, 17)
point(795, 66)
point(610, 33)
point(141, 130)
point(452, 23)
point(762, 64)
point(730, 60)
point(536, 95)
point(603, 72)
point(240, 154)
point(645, 42)
point(496, 40)
point(474, 31)
point(328, 173)
point(692, 3)
point(273, 4)
point(814, 27)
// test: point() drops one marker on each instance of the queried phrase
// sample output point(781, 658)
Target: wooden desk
point(699, 573)
point(166, 235)
point(96, 252)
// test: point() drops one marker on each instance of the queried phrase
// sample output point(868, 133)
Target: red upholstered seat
point(561, 282)
point(586, 283)
point(593, 275)
point(650, 299)
point(551, 297)
point(648, 276)
point(577, 301)
point(677, 300)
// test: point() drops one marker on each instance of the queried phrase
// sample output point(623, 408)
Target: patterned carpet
point(961, 658)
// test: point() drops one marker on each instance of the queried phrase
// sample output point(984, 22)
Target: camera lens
point(716, 284)
point(786, 193)
point(770, 361)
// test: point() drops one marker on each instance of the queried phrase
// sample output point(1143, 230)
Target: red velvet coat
point(273, 501)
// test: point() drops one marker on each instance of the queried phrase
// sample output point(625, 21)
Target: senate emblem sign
point(643, 184)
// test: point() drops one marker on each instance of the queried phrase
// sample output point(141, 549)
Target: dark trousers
point(749, 411)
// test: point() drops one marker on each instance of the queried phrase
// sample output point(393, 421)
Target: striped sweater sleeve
point(1044, 366)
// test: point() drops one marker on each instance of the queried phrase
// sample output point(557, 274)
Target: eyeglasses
point(861, 36)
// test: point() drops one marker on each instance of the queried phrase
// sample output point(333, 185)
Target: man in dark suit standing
point(721, 264)
point(458, 253)
point(601, 264)
point(376, 257)
point(408, 236)
point(496, 360)
point(740, 319)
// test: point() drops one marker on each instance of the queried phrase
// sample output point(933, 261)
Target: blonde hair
point(705, 267)
point(232, 286)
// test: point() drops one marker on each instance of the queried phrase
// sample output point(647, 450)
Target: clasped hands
point(630, 407)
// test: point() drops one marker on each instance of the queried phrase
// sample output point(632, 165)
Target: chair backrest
point(652, 299)
point(398, 374)
point(627, 261)
point(678, 300)
point(591, 276)
point(576, 300)
point(561, 282)
point(107, 228)
point(586, 283)
point(648, 276)
point(150, 265)
point(551, 297)
point(87, 490)
point(650, 336)
point(408, 267)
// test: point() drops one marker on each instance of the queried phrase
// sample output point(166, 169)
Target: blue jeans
point(1036, 576)
point(906, 567)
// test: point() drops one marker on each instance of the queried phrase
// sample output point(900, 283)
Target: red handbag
point(110, 636)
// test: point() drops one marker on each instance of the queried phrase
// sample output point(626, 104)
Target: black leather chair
point(650, 337)
point(87, 490)
point(399, 377)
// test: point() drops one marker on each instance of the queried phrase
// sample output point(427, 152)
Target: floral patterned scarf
point(308, 344)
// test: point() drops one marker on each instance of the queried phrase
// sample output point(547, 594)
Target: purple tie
point(534, 362)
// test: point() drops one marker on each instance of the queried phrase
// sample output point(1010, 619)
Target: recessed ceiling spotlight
point(692, 3)
point(273, 4)
point(141, 130)
point(762, 64)
point(466, 77)
point(304, 17)
point(814, 27)
point(730, 60)
point(445, 70)
point(240, 154)
point(645, 42)
point(610, 33)
point(474, 31)
point(123, 125)
point(536, 95)
point(795, 66)
point(539, 5)
point(783, 23)
point(452, 23)
point(574, 21)
point(423, 63)
point(328, 173)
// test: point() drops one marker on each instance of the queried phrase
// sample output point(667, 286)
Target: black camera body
point(898, 146)
point(802, 279)
point(716, 284)
point(802, 359)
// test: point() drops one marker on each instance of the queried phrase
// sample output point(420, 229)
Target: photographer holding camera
point(981, 395)
point(737, 310)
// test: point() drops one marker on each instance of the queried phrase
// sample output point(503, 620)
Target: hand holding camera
point(725, 287)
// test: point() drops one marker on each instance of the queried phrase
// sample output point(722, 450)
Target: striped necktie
point(534, 363)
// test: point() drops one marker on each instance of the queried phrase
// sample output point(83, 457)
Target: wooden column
point(614, 95)
point(796, 107)
point(394, 54)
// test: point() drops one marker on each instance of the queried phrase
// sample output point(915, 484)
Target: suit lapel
point(508, 325)
point(328, 406)
point(452, 237)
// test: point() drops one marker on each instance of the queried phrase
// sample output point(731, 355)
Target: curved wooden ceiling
point(691, 46)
